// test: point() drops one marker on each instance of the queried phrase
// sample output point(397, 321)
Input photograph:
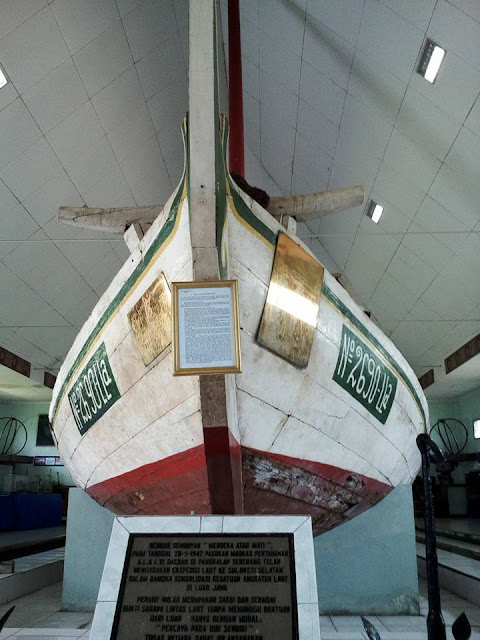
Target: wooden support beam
point(112, 220)
point(317, 205)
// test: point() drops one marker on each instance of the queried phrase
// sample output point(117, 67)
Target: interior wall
point(28, 412)
point(465, 408)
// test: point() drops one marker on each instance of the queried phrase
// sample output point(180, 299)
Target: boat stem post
point(435, 622)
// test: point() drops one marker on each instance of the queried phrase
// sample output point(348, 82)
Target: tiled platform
point(38, 616)
point(13, 544)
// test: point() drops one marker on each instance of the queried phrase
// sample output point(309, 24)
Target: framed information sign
point(206, 328)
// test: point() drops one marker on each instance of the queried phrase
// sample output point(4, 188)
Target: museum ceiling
point(91, 114)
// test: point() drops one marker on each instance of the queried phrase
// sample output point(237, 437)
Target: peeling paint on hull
point(280, 484)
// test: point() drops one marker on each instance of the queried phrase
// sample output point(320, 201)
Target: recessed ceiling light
point(430, 61)
point(374, 211)
point(3, 79)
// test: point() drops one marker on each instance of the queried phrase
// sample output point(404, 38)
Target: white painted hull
point(282, 418)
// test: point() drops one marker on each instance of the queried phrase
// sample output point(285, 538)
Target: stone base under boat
point(271, 484)
point(367, 565)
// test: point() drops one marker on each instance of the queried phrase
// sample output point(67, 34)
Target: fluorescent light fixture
point(476, 428)
point(430, 60)
point(3, 79)
point(374, 211)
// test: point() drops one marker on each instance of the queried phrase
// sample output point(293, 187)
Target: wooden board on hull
point(289, 319)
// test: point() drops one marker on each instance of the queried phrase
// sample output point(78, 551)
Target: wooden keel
point(217, 416)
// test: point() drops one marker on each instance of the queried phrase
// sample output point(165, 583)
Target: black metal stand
point(435, 622)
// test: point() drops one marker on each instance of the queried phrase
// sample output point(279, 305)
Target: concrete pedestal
point(88, 533)
point(369, 565)
point(366, 566)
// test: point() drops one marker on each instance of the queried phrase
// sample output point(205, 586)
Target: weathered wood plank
point(111, 220)
point(317, 205)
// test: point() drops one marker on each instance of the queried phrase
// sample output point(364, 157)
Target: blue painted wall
point(369, 565)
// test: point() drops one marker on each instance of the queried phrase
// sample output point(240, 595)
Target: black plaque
point(208, 587)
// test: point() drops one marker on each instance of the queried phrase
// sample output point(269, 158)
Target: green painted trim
point(250, 218)
point(220, 165)
point(162, 236)
point(335, 300)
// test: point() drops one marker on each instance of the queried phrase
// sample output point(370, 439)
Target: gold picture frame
point(202, 310)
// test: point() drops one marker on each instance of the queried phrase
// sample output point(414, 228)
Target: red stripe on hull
point(217, 453)
point(271, 484)
point(175, 485)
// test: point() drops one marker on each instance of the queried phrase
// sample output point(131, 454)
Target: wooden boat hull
point(296, 440)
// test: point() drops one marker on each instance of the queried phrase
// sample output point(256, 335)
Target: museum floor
point(39, 616)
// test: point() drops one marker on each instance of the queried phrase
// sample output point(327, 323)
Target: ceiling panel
point(455, 89)
point(458, 195)
point(91, 164)
point(14, 13)
point(327, 51)
point(473, 119)
point(161, 67)
point(456, 31)
point(57, 96)
point(36, 166)
point(421, 120)
point(33, 49)
point(375, 86)
point(391, 38)
point(18, 131)
point(418, 12)
point(409, 158)
point(78, 132)
point(103, 59)
point(277, 19)
point(148, 25)
point(16, 223)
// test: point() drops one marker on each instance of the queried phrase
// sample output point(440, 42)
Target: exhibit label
point(206, 327)
point(361, 372)
point(94, 392)
point(209, 587)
